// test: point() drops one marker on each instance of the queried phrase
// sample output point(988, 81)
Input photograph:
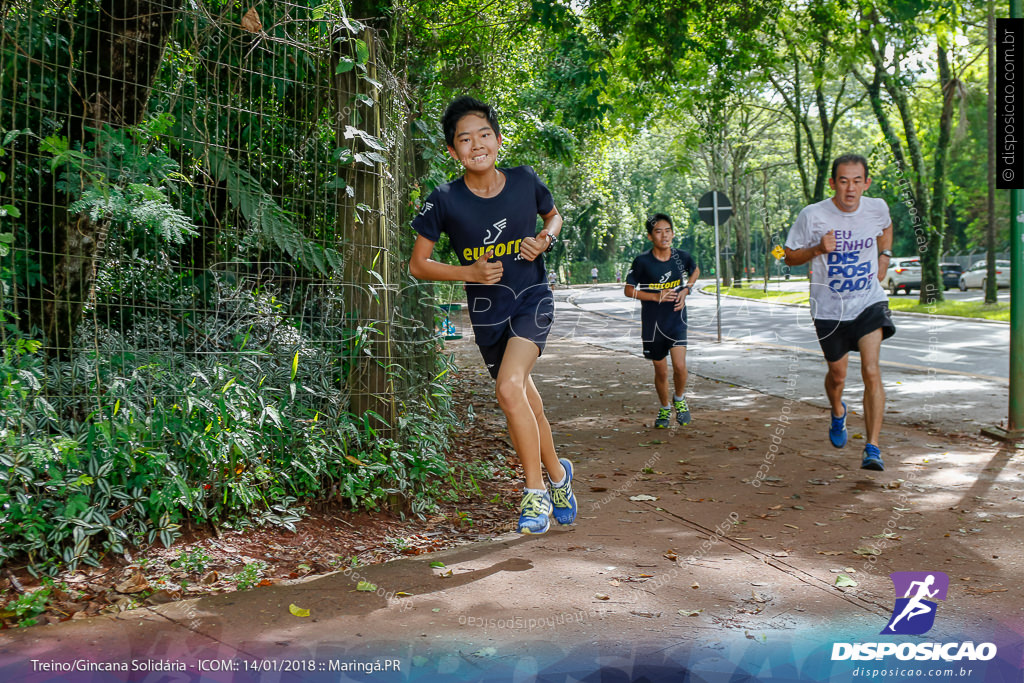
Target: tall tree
point(810, 72)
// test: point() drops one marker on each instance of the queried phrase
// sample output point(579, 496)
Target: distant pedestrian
point(552, 279)
point(491, 213)
point(593, 275)
point(847, 240)
point(661, 279)
point(618, 275)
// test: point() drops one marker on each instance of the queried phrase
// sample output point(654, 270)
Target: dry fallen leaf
point(135, 584)
point(366, 586)
point(298, 611)
point(690, 612)
point(601, 596)
point(251, 21)
point(642, 497)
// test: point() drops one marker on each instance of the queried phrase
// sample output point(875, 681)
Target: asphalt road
point(952, 373)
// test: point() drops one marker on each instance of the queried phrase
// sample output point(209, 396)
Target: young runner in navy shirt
point(661, 279)
point(490, 217)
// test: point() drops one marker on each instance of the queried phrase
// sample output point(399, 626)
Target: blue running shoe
point(534, 513)
point(562, 498)
point(837, 432)
point(872, 458)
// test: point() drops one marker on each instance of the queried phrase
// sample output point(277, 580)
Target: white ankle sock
point(537, 491)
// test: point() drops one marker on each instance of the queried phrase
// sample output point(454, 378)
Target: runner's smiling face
point(475, 144)
point(661, 236)
point(849, 184)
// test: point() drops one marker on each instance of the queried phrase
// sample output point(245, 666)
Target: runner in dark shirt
point(661, 279)
point(490, 216)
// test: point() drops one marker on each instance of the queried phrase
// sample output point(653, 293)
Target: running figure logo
point(914, 613)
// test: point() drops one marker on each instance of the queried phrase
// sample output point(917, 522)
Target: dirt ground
point(744, 527)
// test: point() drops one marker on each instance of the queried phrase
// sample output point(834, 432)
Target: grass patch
point(964, 309)
point(773, 296)
point(904, 304)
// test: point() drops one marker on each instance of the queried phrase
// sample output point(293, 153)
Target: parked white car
point(903, 275)
point(976, 275)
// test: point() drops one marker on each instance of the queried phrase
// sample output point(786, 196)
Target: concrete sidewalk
point(711, 551)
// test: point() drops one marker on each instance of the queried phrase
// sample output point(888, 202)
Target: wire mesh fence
point(204, 314)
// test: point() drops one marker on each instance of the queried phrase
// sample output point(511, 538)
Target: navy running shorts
point(658, 344)
point(530, 322)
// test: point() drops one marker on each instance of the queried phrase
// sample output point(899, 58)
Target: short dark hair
point(461, 106)
point(654, 218)
point(850, 159)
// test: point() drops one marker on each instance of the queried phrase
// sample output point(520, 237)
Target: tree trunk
point(939, 193)
point(371, 389)
point(114, 86)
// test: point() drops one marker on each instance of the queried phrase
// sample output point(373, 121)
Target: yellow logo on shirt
point(664, 285)
point(499, 250)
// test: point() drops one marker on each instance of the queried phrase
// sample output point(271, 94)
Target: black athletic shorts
point(530, 322)
point(839, 337)
point(658, 344)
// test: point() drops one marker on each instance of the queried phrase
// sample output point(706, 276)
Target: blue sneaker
point(661, 422)
point(837, 432)
point(872, 458)
point(562, 498)
point(534, 511)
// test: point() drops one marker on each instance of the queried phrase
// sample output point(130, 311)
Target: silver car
point(977, 275)
point(904, 274)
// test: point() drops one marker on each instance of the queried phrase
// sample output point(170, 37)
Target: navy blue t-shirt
point(648, 274)
point(475, 224)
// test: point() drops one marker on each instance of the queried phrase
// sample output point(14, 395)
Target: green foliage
point(249, 575)
point(138, 207)
point(27, 606)
point(192, 561)
point(236, 439)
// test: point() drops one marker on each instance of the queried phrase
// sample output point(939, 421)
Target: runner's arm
point(425, 268)
point(884, 244)
point(686, 289)
point(532, 247)
point(657, 296)
point(798, 257)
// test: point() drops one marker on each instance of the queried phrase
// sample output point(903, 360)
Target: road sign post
point(1014, 431)
point(714, 208)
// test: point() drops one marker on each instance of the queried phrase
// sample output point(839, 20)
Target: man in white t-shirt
point(847, 240)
